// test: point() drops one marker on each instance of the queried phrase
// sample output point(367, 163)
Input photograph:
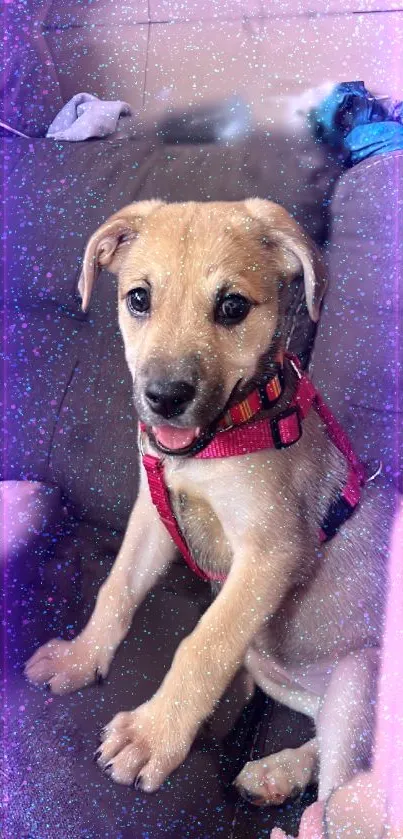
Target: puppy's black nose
point(169, 399)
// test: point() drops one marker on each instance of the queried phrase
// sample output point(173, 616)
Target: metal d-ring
point(295, 368)
point(140, 443)
point(377, 472)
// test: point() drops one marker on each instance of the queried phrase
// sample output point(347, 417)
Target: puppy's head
point(201, 291)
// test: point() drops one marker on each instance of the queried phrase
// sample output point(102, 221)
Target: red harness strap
point(154, 467)
point(276, 432)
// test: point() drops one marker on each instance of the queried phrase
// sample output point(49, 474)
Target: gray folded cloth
point(86, 116)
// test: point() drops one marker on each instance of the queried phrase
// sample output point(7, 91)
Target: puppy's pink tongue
point(175, 438)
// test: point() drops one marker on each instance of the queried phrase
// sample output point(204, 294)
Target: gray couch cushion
point(358, 356)
point(72, 422)
point(70, 13)
point(41, 352)
point(295, 171)
point(94, 450)
point(55, 789)
point(30, 94)
point(57, 194)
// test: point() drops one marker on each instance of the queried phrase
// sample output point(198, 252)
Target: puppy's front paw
point(142, 747)
point(66, 666)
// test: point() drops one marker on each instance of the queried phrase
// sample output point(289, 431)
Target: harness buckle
point(295, 366)
point(286, 428)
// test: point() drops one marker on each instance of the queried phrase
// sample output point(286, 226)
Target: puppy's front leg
point(146, 551)
point(152, 741)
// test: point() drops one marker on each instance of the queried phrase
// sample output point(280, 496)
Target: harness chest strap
point(154, 467)
point(278, 432)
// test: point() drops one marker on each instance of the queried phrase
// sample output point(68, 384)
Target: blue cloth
point(352, 120)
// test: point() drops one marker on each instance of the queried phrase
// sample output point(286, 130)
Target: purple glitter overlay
point(52, 389)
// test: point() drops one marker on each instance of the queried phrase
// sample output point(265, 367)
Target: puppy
point(202, 294)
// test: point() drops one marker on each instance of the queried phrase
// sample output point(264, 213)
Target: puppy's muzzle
point(168, 398)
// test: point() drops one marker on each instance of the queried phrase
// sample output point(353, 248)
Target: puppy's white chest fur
point(212, 551)
point(336, 601)
point(203, 532)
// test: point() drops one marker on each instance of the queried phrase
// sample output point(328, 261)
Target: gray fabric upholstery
point(358, 356)
point(30, 95)
point(55, 789)
point(68, 414)
point(69, 421)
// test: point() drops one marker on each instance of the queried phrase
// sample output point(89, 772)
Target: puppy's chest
point(202, 531)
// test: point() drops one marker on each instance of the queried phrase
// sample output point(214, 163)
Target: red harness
point(237, 436)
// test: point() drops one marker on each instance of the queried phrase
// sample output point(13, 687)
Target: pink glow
point(389, 748)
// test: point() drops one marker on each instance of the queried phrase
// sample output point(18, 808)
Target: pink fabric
point(311, 826)
point(389, 744)
point(27, 509)
point(388, 762)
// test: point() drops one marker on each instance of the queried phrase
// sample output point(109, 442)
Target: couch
point(70, 428)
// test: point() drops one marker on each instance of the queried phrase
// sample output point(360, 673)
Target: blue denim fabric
point(353, 120)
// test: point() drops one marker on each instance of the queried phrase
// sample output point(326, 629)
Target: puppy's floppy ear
point(108, 244)
point(279, 228)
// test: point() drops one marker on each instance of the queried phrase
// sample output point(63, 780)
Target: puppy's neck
point(269, 365)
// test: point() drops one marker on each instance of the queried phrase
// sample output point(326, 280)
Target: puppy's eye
point(232, 309)
point(138, 301)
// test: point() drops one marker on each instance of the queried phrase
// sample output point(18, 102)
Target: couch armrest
point(358, 356)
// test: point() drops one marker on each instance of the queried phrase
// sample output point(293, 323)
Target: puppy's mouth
point(174, 439)
point(190, 439)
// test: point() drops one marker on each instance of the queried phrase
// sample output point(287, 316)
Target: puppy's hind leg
point(345, 725)
point(273, 779)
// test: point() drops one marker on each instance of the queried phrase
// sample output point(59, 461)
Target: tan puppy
point(202, 291)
